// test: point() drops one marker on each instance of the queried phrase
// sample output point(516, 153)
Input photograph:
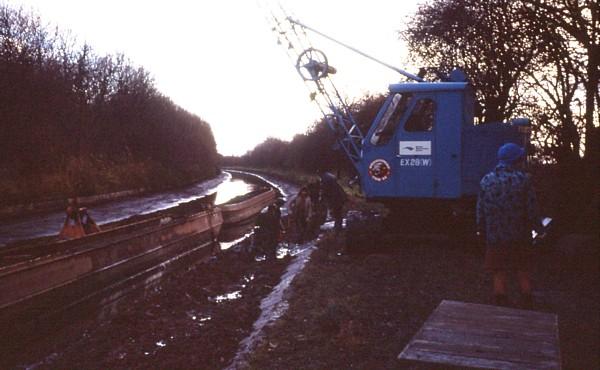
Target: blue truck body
point(423, 144)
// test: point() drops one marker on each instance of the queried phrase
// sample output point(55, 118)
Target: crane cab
point(423, 144)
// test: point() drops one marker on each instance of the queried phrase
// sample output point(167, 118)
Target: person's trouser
point(338, 215)
point(271, 248)
point(301, 230)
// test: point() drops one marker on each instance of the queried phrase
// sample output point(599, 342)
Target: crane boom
point(401, 71)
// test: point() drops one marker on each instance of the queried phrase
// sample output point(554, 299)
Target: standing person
point(506, 214)
point(301, 212)
point(319, 209)
point(273, 229)
point(72, 227)
point(88, 223)
point(334, 197)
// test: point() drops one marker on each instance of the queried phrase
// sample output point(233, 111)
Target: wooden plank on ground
point(482, 336)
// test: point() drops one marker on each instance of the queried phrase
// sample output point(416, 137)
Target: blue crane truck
point(422, 153)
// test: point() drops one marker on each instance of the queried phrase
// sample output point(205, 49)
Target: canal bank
point(228, 277)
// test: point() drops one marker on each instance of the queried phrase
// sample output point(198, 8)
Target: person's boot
point(501, 300)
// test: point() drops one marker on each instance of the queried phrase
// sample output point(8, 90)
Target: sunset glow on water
point(231, 189)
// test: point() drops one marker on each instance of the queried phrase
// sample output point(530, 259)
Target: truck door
point(416, 148)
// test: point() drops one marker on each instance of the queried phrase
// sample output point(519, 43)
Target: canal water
point(49, 224)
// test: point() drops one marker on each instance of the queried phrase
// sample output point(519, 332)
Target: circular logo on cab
point(379, 170)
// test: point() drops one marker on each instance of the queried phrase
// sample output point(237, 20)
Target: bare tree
point(553, 84)
point(577, 23)
point(489, 40)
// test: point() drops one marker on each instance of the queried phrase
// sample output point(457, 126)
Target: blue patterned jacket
point(506, 206)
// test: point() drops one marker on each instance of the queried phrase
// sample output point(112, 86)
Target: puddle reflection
point(199, 318)
point(227, 297)
point(192, 315)
point(224, 245)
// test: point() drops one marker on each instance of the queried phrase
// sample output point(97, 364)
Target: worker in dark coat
point(319, 208)
point(269, 230)
point(301, 212)
point(334, 197)
point(506, 215)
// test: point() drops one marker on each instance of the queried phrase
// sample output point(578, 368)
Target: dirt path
point(272, 306)
point(359, 311)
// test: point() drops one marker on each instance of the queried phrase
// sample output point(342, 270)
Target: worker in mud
point(506, 215)
point(88, 223)
point(78, 222)
point(301, 213)
point(72, 227)
point(335, 197)
point(270, 228)
point(319, 209)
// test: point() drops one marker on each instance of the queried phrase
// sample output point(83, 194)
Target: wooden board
point(482, 336)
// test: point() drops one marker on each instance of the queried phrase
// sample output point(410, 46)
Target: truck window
point(387, 125)
point(421, 117)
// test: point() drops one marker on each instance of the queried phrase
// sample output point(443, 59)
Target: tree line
point(315, 150)
point(529, 58)
point(62, 108)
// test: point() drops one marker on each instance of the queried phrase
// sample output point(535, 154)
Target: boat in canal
point(39, 280)
point(243, 210)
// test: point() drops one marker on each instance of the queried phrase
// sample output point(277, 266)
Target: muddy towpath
point(193, 319)
point(358, 310)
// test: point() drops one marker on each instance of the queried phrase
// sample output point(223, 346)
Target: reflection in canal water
point(231, 189)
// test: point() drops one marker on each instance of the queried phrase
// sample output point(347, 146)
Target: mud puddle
point(274, 305)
